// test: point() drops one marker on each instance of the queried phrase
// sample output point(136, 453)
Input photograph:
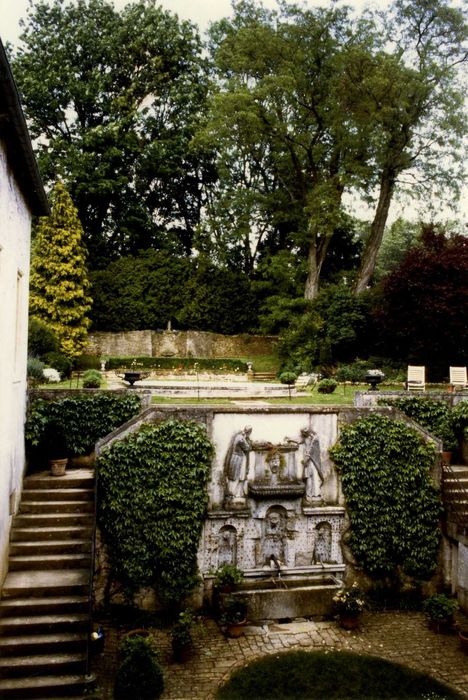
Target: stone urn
point(374, 379)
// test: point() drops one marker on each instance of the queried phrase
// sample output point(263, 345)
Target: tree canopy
point(113, 99)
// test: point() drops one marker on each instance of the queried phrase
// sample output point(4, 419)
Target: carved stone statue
point(274, 539)
point(322, 547)
point(236, 467)
point(313, 473)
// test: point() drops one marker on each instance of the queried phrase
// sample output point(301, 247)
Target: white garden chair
point(458, 377)
point(416, 378)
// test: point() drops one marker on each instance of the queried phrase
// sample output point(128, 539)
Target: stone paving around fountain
point(401, 637)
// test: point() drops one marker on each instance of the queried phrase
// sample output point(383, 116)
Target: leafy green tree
point(287, 146)
point(113, 99)
point(397, 240)
point(139, 292)
point(420, 120)
point(59, 283)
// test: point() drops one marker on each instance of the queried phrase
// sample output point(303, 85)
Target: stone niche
point(276, 510)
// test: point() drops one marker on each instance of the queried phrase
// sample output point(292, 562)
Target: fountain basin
point(277, 598)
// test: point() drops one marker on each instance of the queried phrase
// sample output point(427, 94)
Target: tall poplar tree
point(59, 282)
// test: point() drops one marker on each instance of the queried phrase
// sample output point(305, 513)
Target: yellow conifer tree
point(59, 283)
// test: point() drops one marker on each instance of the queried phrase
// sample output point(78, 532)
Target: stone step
point(56, 494)
point(34, 562)
point(50, 686)
point(49, 507)
point(73, 478)
point(45, 624)
point(43, 547)
point(34, 644)
point(34, 534)
point(43, 606)
point(26, 584)
point(42, 664)
point(53, 520)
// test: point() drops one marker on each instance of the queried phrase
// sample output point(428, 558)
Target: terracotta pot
point(441, 626)
point(58, 466)
point(349, 622)
point(446, 457)
point(463, 637)
point(235, 629)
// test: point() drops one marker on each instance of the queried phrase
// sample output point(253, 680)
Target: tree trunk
point(313, 275)
point(369, 256)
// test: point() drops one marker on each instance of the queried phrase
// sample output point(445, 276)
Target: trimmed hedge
point(181, 363)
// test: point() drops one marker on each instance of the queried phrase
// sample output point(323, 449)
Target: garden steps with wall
point(44, 609)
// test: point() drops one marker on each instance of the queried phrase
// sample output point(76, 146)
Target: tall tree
point(287, 148)
point(59, 283)
point(112, 100)
point(420, 120)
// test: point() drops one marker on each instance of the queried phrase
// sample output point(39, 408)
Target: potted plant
point(349, 604)
point(439, 609)
point(56, 447)
point(181, 636)
point(233, 615)
point(227, 577)
point(449, 441)
point(374, 377)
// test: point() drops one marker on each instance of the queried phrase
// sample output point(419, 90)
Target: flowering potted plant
point(349, 604)
point(374, 377)
point(233, 615)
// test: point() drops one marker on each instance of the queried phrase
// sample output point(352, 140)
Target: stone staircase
point(455, 496)
point(44, 609)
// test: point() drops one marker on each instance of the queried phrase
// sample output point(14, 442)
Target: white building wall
point(15, 226)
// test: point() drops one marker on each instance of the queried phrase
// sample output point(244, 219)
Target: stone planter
point(441, 626)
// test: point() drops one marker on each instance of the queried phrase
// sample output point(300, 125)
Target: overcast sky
point(202, 12)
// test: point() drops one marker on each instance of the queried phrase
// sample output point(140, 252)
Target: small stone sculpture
point(313, 474)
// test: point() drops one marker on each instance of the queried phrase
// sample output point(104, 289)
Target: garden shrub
point(86, 419)
point(178, 363)
point(41, 338)
point(92, 379)
point(152, 503)
point(327, 386)
point(35, 370)
point(51, 375)
point(140, 674)
point(393, 506)
point(431, 414)
point(60, 362)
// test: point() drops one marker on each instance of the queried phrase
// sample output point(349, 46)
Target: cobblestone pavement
point(401, 637)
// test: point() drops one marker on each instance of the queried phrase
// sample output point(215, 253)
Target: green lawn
point(74, 383)
point(343, 394)
point(332, 675)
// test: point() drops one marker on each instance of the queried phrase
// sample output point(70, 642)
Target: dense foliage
point(139, 675)
point(152, 503)
point(59, 283)
point(113, 99)
point(393, 506)
point(85, 419)
point(193, 364)
point(424, 304)
point(433, 415)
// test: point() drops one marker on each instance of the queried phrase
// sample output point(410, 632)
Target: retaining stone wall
point(178, 344)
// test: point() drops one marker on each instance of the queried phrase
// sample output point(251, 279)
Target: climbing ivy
point(393, 506)
point(152, 501)
point(431, 414)
point(84, 419)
